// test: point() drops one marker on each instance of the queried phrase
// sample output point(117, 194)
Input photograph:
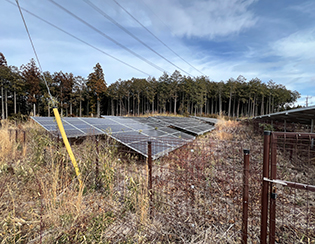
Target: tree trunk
point(88, 108)
point(220, 104)
point(133, 107)
point(234, 102)
point(248, 107)
point(48, 110)
point(212, 105)
point(98, 107)
point(230, 104)
point(138, 101)
point(80, 105)
point(34, 109)
point(2, 103)
point(116, 108)
point(192, 108)
point(256, 110)
point(120, 107)
point(112, 103)
point(6, 103)
point(238, 108)
point(14, 101)
point(61, 109)
point(262, 112)
point(128, 104)
point(175, 101)
point(254, 106)
point(71, 108)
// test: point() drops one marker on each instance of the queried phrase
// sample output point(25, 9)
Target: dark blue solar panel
point(132, 132)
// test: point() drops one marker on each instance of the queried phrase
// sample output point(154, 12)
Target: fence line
point(196, 192)
point(291, 214)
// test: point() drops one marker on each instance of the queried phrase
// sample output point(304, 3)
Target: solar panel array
point(74, 127)
point(206, 119)
point(190, 125)
point(298, 115)
point(133, 132)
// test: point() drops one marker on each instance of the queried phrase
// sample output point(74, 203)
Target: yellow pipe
point(67, 144)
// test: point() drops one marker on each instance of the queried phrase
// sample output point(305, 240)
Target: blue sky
point(219, 38)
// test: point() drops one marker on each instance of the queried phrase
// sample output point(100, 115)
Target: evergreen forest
point(23, 92)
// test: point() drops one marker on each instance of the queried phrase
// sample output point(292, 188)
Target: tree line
point(23, 92)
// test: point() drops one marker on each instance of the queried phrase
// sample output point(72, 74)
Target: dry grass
point(225, 129)
point(40, 198)
point(7, 146)
point(41, 201)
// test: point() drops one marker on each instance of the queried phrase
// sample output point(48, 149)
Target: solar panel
point(300, 115)
point(190, 125)
point(132, 132)
point(205, 119)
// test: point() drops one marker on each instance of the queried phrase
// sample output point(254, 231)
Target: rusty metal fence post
point(150, 176)
point(273, 194)
point(264, 193)
point(245, 196)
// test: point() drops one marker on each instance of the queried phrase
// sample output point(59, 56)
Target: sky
point(267, 39)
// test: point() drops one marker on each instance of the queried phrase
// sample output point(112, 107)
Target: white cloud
point(206, 18)
point(306, 7)
point(297, 45)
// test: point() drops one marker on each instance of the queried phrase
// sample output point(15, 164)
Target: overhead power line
point(31, 41)
point(132, 35)
point(84, 42)
point(156, 37)
point(166, 25)
point(108, 37)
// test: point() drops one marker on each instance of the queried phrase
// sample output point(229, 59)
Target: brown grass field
point(197, 191)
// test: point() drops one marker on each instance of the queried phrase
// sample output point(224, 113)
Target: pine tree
point(17, 85)
point(31, 78)
point(97, 87)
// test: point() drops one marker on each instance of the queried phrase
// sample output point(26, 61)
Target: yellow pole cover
point(67, 144)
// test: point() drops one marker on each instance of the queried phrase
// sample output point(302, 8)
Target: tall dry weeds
point(7, 145)
point(41, 200)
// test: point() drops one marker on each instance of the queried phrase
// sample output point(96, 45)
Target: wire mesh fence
point(292, 212)
point(194, 194)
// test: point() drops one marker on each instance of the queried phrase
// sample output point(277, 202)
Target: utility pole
point(306, 102)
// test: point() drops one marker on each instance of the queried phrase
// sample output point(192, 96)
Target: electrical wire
point(84, 42)
point(166, 25)
point(55, 110)
point(156, 37)
point(132, 35)
point(29, 36)
point(108, 37)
